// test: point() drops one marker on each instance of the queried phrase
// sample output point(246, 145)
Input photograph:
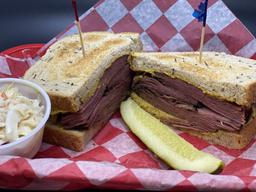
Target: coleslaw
point(19, 115)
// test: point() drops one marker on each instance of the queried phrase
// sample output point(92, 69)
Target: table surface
point(30, 21)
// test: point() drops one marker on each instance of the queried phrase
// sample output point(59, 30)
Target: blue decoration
point(201, 13)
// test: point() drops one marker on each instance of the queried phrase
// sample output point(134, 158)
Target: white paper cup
point(27, 146)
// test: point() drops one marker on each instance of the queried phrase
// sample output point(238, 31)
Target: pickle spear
point(165, 143)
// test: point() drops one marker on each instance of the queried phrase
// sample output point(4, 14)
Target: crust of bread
point(71, 79)
point(232, 140)
point(72, 139)
point(223, 76)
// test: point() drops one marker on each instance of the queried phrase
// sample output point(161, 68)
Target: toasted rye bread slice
point(72, 139)
point(226, 77)
point(71, 79)
point(232, 140)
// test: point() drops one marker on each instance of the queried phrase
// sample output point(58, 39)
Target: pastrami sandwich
point(84, 91)
point(213, 100)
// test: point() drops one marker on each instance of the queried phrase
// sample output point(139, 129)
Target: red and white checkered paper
point(116, 158)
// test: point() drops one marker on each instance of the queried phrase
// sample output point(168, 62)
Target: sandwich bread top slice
point(224, 76)
point(71, 79)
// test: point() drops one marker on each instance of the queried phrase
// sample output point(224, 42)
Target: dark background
point(37, 21)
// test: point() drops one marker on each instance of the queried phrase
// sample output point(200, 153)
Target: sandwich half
point(214, 100)
point(84, 91)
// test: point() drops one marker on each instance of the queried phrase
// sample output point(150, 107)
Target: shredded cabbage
point(19, 115)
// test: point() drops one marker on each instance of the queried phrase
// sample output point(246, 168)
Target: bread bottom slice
point(232, 140)
point(72, 139)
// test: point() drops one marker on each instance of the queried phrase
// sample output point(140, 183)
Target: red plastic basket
point(18, 51)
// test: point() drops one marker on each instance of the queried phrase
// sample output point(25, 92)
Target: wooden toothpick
point(81, 37)
point(77, 22)
point(201, 14)
point(201, 44)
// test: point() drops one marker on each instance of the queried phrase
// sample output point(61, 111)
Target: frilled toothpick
point(77, 22)
point(201, 14)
